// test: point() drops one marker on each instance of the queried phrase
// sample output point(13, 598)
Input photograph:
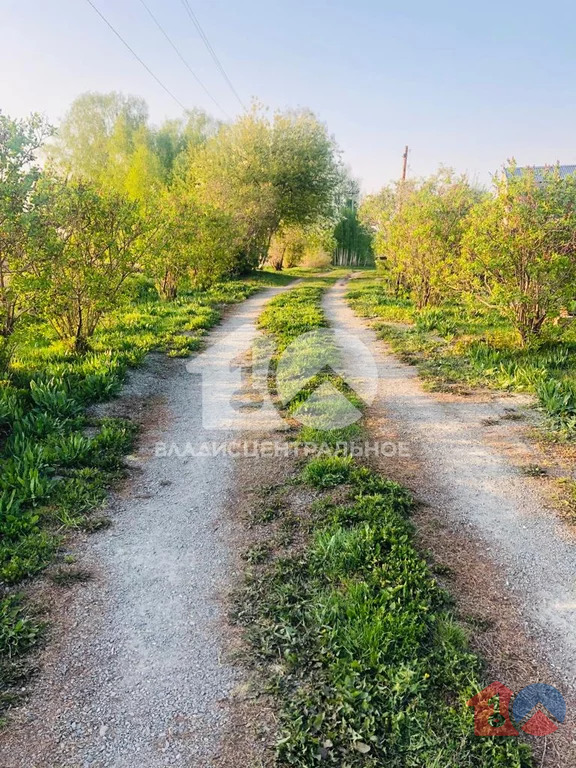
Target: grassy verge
point(286, 318)
point(350, 630)
point(56, 464)
point(454, 345)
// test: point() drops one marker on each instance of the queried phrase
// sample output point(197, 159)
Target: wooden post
point(405, 165)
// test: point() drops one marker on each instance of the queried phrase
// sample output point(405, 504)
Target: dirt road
point(510, 557)
point(135, 675)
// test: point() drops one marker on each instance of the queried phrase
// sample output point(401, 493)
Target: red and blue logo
point(537, 709)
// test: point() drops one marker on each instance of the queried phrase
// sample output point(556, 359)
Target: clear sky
point(465, 84)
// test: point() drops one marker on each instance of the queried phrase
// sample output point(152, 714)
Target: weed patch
point(356, 639)
point(326, 472)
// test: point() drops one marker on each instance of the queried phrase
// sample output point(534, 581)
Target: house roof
point(540, 171)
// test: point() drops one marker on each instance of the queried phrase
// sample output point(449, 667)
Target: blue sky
point(464, 84)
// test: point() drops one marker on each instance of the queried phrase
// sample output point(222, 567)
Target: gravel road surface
point(479, 487)
point(137, 679)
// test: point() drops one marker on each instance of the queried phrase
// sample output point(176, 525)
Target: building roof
point(540, 171)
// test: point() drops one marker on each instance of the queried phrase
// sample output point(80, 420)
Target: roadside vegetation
point(118, 238)
point(345, 622)
point(456, 347)
point(56, 461)
point(479, 288)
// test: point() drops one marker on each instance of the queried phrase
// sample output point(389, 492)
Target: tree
point(97, 241)
point(19, 173)
point(293, 245)
point(519, 249)
point(267, 175)
point(96, 135)
point(421, 233)
point(353, 239)
point(189, 242)
point(175, 138)
point(375, 213)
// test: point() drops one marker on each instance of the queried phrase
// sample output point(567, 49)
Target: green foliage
point(192, 202)
point(356, 638)
point(19, 173)
point(519, 248)
point(513, 251)
point(191, 241)
point(266, 174)
point(371, 299)
point(328, 471)
point(97, 237)
point(19, 631)
point(461, 343)
point(294, 244)
point(53, 474)
point(353, 239)
point(51, 397)
point(419, 229)
point(287, 317)
point(293, 313)
point(558, 398)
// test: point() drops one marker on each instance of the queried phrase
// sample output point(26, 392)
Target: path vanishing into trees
point(136, 674)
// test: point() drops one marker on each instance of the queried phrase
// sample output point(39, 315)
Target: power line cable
point(133, 52)
point(211, 51)
point(182, 59)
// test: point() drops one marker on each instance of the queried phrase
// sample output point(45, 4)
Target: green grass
point(328, 471)
point(294, 313)
point(351, 632)
point(461, 345)
point(357, 641)
point(286, 318)
point(55, 463)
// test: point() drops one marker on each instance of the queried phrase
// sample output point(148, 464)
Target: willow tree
point(267, 174)
point(97, 135)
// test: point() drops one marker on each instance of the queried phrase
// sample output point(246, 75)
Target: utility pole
point(405, 165)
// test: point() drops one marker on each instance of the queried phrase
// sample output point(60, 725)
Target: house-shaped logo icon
point(323, 378)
